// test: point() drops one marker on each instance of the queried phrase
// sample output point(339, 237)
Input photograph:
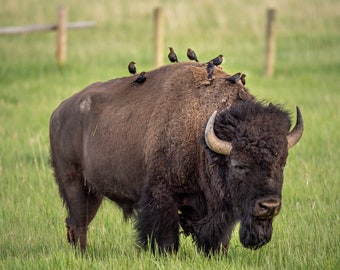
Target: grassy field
point(32, 231)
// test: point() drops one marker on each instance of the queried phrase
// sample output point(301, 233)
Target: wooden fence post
point(158, 36)
point(61, 35)
point(270, 43)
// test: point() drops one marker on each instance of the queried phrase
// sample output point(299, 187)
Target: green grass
point(32, 231)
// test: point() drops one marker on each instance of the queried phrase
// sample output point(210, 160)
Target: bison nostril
point(267, 208)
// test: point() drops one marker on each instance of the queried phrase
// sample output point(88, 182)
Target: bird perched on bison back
point(210, 69)
point(172, 55)
point(243, 79)
point(141, 78)
point(132, 68)
point(234, 78)
point(191, 54)
point(217, 60)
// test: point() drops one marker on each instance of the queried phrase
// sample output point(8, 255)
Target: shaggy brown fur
point(141, 146)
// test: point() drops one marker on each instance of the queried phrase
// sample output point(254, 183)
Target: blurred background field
point(32, 234)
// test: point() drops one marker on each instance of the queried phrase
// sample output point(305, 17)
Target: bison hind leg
point(82, 205)
point(157, 223)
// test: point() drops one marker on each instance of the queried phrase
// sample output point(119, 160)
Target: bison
point(178, 152)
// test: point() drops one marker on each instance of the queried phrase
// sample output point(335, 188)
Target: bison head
point(252, 141)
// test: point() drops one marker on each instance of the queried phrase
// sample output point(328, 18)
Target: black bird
point(191, 54)
point(132, 68)
point(210, 69)
point(217, 60)
point(243, 79)
point(172, 55)
point(235, 78)
point(141, 78)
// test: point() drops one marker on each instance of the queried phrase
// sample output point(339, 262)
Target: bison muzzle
point(178, 152)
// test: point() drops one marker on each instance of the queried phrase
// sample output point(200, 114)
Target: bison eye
point(239, 165)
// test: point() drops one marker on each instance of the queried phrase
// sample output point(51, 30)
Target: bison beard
point(254, 233)
point(157, 161)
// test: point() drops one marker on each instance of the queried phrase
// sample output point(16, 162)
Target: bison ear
point(214, 143)
point(295, 134)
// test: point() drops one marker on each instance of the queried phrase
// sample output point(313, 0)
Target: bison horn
point(295, 134)
point(215, 144)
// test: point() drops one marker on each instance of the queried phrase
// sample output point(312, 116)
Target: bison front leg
point(157, 221)
point(213, 234)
